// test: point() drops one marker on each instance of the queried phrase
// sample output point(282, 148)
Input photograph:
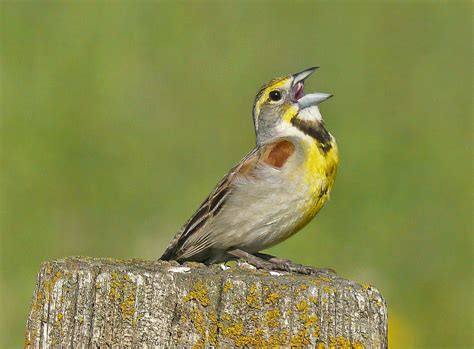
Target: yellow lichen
point(127, 307)
point(272, 317)
point(199, 294)
point(327, 289)
point(317, 329)
point(278, 340)
point(198, 321)
point(301, 339)
point(310, 326)
point(234, 331)
point(310, 321)
point(121, 286)
point(253, 297)
point(302, 306)
point(272, 298)
point(50, 282)
point(303, 287)
point(227, 286)
point(198, 345)
point(213, 329)
point(340, 343)
point(343, 343)
point(114, 286)
point(313, 299)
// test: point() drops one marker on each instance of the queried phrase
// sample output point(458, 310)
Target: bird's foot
point(257, 262)
point(287, 265)
point(269, 262)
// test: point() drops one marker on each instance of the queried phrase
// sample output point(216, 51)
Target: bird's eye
point(275, 95)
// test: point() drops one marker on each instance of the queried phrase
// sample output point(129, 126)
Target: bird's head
point(281, 100)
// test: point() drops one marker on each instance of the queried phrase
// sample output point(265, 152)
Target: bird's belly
point(260, 215)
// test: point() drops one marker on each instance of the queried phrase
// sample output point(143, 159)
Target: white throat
point(310, 114)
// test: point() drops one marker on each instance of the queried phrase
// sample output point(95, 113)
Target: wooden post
point(85, 302)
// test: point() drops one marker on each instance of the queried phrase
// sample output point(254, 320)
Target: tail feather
point(170, 253)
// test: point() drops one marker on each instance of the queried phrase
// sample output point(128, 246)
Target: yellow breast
point(319, 168)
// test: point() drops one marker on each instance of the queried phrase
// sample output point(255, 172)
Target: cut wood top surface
point(82, 301)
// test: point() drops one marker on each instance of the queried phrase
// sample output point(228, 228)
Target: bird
point(274, 191)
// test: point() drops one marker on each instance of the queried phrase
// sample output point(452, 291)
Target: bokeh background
point(118, 118)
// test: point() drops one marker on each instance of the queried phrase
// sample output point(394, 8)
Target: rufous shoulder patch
point(278, 153)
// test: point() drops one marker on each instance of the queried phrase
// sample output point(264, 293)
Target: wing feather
point(274, 154)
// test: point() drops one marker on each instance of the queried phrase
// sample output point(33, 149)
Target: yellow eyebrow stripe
point(265, 91)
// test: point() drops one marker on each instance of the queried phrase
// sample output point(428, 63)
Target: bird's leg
point(288, 265)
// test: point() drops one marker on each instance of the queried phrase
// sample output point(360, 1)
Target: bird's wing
point(274, 154)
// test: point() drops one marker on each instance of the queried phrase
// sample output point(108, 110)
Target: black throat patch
point(316, 130)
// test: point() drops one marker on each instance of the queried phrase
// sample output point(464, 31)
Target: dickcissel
point(274, 191)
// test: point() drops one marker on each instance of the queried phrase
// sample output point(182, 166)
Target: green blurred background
point(118, 118)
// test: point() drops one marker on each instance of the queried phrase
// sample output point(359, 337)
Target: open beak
point(309, 99)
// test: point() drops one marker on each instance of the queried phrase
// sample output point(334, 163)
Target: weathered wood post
point(84, 302)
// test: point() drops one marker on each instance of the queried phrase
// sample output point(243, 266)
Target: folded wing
point(274, 154)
